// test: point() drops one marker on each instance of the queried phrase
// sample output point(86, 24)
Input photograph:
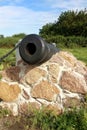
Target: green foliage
point(70, 30)
point(47, 29)
point(9, 61)
point(69, 23)
point(73, 120)
point(43, 119)
point(79, 53)
point(4, 112)
point(21, 35)
point(1, 67)
point(10, 41)
point(72, 23)
point(0, 76)
point(69, 41)
point(1, 36)
point(85, 98)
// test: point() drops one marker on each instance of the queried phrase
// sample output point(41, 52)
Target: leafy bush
point(70, 120)
point(69, 42)
point(61, 41)
point(21, 35)
point(8, 42)
point(69, 23)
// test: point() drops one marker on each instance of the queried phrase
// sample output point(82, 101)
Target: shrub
point(69, 42)
point(8, 41)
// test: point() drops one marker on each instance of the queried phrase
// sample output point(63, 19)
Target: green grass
point(3, 51)
point(42, 119)
point(79, 53)
point(9, 61)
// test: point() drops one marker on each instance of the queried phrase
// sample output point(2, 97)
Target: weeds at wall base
point(76, 119)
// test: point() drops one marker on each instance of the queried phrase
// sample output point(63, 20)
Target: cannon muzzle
point(34, 50)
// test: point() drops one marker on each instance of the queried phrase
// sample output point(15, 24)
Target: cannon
point(35, 50)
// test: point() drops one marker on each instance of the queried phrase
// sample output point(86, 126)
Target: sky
point(28, 16)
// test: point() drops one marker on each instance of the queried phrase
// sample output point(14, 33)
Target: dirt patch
point(11, 123)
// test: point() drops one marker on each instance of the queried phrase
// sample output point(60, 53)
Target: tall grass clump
point(73, 120)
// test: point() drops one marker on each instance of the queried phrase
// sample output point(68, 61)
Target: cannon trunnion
point(34, 50)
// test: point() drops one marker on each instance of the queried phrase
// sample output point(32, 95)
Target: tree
point(69, 23)
point(47, 29)
point(1, 36)
point(20, 35)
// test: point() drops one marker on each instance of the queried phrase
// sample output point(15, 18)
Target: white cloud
point(17, 19)
point(20, 19)
point(68, 4)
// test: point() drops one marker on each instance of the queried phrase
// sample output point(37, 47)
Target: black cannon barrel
point(34, 50)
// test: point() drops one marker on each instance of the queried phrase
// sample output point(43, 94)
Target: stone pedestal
point(59, 83)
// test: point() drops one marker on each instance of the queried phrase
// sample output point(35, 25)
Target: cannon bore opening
point(31, 48)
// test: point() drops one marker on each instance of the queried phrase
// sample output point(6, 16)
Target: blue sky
point(28, 16)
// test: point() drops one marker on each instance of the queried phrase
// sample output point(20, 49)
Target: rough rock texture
point(8, 92)
point(59, 83)
point(44, 90)
point(73, 82)
point(12, 73)
point(34, 75)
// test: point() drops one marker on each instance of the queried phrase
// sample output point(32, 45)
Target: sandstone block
point(9, 93)
point(12, 73)
point(69, 102)
point(73, 83)
point(54, 72)
point(85, 76)
point(38, 84)
point(69, 58)
point(45, 90)
point(57, 59)
point(34, 75)
point(81, 68)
